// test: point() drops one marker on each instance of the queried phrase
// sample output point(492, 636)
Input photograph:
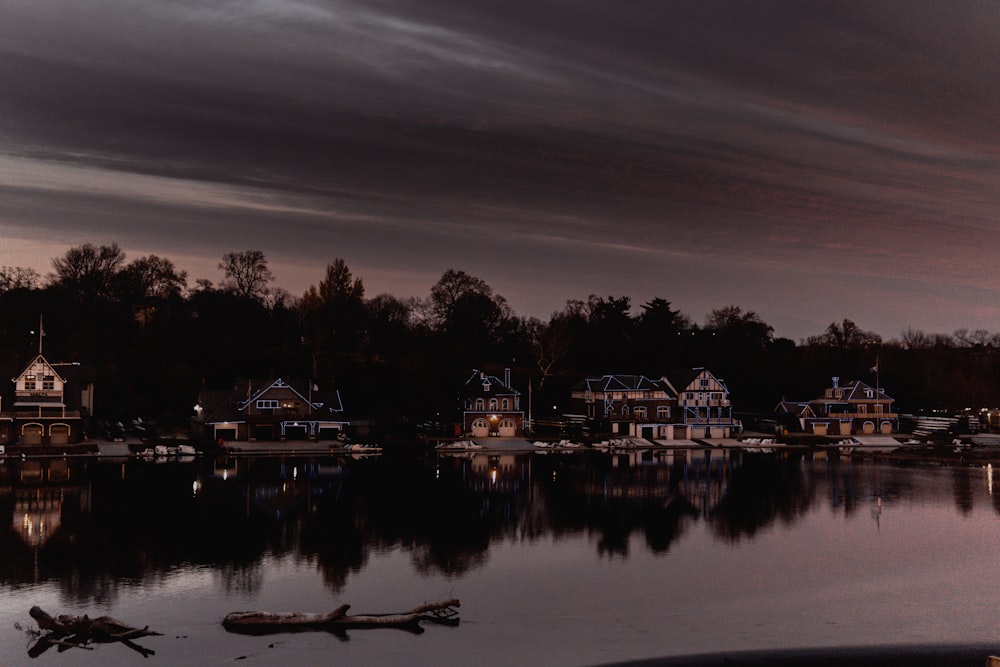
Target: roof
point(791, 407)
point(36, 359)
point(484, 384)
point(229, 405)
point(681, 378)
point(855, 391)
point(607, 383)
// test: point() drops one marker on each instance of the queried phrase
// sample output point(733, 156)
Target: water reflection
point(94, 526)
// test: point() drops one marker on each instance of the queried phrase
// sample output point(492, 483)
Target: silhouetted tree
point(151, 276)
point(89, 271)
point(16, 277)
point(246, 274)
point(846, 336)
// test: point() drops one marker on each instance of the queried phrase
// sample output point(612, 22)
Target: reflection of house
point(40, 415)
point(630, 404)
point(855, 407)
point(491, 406)
point(703, 401)
point(271, 410)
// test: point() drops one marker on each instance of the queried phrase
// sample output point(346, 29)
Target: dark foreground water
point(557, 559)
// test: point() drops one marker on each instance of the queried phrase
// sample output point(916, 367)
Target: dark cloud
point(708, 152)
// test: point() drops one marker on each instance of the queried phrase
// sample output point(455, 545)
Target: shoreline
point(917, 655)
point(967, 450)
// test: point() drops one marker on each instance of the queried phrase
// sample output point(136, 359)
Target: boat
point(458, 446)
point(164, 451)
point(360, 449)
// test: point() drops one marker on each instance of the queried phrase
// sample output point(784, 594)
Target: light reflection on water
point(557, 559)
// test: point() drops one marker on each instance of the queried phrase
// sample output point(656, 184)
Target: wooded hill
point(153, 340)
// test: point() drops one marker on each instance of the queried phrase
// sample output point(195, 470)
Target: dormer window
point(486, 385)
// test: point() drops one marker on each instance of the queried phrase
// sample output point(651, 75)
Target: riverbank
point(977, 450)
point(944, 655)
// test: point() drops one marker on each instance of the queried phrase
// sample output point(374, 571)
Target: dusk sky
point(809, 161)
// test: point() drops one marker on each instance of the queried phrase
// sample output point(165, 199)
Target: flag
point(874, 369)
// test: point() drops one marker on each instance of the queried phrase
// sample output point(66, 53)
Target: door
point(508, 428)
point(59, 434)
point(32, 434)
point(480, 428)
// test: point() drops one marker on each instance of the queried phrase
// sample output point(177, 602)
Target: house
point(703, 403)
point(633, 405)
point(271, 410)
point(855, 407)
point(40, 415)
point(683, 404)
point(491, 407)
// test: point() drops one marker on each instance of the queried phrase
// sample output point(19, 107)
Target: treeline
point(154, 339)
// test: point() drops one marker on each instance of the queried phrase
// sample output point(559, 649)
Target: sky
point(809, 161)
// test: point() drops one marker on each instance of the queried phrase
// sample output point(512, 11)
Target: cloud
point(856, 139)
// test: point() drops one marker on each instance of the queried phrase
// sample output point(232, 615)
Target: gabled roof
point(484, 384)
point(230, 405)
point(35, 360)
point(792, 407)
point(609, 383)
point(681, 379)
point(855, 391)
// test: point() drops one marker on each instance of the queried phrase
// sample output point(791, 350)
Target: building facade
point(703, 403)
point(633, 405)
point(40, 416)
point(271, 410)
point(849, 409)
point(491, 407)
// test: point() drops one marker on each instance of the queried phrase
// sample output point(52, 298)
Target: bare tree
point(90, 270)
point(152, 276)
point(16, 277)
point(246, 274)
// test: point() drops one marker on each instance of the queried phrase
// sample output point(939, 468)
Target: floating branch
point(338, 620)
point(67, 632)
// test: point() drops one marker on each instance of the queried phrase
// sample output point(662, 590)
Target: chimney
point(506, 377)
point(836, 381)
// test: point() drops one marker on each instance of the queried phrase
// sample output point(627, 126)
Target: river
point(559, 559)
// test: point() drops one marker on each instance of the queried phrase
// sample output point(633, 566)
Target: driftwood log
point(338, 620)
point(66, 631)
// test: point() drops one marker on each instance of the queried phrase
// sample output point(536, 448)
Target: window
point(703, 383)
point(505, 404)
point(624, 411)
point(493, 404)
point(640, 412)
point(267, 404)
point(861, 409)
point(663, 412)
point(48, 385)
point(480, 405)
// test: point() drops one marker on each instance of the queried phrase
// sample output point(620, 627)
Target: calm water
point(557, 559)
